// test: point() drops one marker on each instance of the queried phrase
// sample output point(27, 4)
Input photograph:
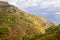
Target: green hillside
point(16, 24)
point(52, 34)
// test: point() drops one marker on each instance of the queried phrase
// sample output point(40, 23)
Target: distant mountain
point(16, 24)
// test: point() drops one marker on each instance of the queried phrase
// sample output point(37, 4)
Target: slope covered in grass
point(52, 34)
point(16, 24)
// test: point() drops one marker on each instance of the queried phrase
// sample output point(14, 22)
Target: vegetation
point(18, 25)
point(3, 31)
point(54, 34)
point(7, 19)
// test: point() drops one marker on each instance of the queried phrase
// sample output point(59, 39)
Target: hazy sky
point(49, 9)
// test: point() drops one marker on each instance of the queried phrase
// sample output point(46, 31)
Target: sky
point(49, 9)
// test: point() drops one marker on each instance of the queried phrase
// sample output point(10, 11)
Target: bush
point(3, 31)
point(7, 19)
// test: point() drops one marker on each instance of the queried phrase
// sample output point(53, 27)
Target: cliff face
point(16, 24)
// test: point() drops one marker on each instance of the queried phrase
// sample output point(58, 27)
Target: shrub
point(3, 31)
point(7, 19)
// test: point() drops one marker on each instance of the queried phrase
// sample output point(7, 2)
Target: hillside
point(16, 24)
point(51, 34)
